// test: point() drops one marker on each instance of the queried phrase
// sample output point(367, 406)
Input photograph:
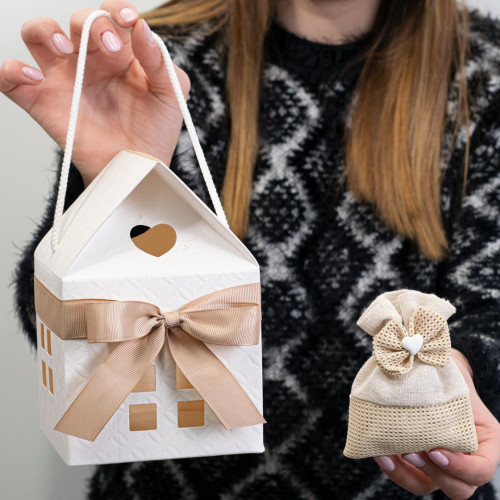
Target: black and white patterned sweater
point(324, 257)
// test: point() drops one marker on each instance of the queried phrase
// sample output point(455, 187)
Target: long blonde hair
point(393, 146)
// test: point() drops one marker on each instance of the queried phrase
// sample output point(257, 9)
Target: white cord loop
point(80, 70)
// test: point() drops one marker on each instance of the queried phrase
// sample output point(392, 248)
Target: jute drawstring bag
point(409, 396)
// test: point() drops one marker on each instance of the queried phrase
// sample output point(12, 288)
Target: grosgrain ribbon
point(139, 329)
point(395, 359)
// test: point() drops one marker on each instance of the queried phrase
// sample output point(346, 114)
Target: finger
point(18, 82)
point(450, 485)
point(123, 13)
point(46, 41)
point(104, 36)
point(405, 475)
point(479, 467)
point(76, 26)
point(476, 469)
point(149, 56)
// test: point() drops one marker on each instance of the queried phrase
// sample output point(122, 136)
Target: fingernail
point(386, 463)
point(414, 459)
point(111, 41)
point(62, 44)
point(128, 15)
point(438, 458)
point(147, 31)
point(32, 73)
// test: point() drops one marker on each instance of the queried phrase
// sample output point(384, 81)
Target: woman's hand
point(127, 100)
point(456, 474)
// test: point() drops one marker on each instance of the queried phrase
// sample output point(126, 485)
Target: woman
point(356, 146)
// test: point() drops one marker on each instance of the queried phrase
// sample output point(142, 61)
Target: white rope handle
point(77, 92)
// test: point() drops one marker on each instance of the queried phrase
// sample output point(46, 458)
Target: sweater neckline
point(310, 60)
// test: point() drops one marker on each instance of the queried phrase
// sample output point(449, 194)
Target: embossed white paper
point(97, 259)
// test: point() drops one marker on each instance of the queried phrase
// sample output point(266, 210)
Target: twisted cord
point(70, 137)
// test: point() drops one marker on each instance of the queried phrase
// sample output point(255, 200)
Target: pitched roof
point(103, 196)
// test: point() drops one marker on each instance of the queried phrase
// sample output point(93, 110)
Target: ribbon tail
point(213, 381)
point(111, 383)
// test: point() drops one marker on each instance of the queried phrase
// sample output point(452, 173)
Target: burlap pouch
point(409, 396)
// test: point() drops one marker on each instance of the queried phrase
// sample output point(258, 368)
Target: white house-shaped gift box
point(97, 259)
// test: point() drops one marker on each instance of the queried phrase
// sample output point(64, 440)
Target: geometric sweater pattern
point(324, 257)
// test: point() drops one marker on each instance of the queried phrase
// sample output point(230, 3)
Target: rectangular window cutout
point(142, 417)
point(181, 382)
point(42, 335)
point(44, 374)
point(191, 413)
point(148, 381)
point(51, 381)
point(49, 343)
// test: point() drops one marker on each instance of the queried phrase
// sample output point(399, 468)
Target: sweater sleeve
point(23, 274)
point(470, 277)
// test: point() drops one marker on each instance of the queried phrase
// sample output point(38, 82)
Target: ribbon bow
point(427, 337)
point(139, 329)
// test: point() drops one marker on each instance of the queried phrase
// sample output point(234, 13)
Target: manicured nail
point(147, 31)
point(438, 458)
point(32, 73)
point(111, 41)
point(386, 463)
point(62, 44)
point(128, 15)
point(415, 459)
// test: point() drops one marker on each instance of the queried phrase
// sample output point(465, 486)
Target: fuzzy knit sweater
point(324, 257)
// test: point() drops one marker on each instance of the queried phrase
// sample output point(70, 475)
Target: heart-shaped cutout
point(156, 241)
point(413, 344)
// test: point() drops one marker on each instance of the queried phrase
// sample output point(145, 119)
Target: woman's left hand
point(457, 474)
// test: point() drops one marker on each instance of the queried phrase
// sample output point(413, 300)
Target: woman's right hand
point(127, 99)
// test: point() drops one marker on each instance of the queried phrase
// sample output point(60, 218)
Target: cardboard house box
point(139, 234)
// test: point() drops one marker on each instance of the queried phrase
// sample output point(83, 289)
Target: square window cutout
point(191, 413)
point(142, 417)
point(42, 335)
point(147, 383)
point(49, 343)
point(181, 382)
point(51, 381)
point(44, 374)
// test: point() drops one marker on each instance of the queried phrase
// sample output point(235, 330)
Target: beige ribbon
point(435, 344)
point(139, 329)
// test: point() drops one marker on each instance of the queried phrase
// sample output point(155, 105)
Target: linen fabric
point(409, 402)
